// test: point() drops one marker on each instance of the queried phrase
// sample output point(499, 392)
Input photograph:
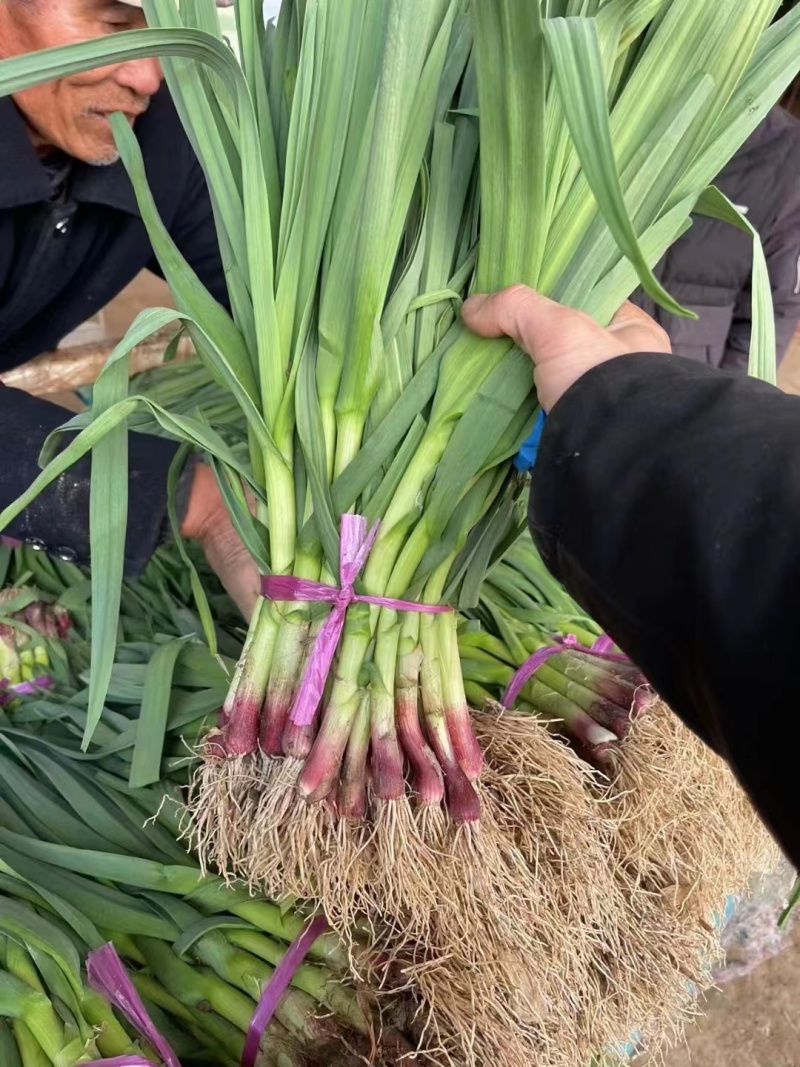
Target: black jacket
point(708, 269)
point(666, 498)
point(60, 263)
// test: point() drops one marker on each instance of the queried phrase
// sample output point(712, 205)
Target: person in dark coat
point(666, 498)
point(71, 238)
point(708, 270)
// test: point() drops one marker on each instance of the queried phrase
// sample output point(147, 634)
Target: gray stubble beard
point(105, 161)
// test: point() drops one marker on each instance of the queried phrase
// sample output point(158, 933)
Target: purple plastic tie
point(354, 549)
point(23, 688)
point(602, 648)
point(277, 986)
point(32, 688)
point(108, 977)
point(603, 644)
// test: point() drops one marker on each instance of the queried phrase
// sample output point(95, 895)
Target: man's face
point(72, 113)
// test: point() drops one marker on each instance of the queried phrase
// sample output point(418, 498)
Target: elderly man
point(71, 238)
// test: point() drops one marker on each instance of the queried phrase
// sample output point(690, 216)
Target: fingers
point(207, 521)
point(547, 330)
point(520, 313)
point(628, 314)
point(234, 567)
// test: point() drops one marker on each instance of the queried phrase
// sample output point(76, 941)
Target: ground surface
point(752, 1022)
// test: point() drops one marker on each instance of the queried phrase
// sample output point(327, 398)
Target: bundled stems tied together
point(553, 664)
point(362, 712)
point(210, 970)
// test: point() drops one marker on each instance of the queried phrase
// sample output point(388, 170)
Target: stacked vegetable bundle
point(199, 953)
point(161, 677)
point(529, 646)
point(85, 858)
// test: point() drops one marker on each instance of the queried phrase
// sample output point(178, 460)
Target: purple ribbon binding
point(23, 688)
point(108, 977)
point(277, 986)
point(602, 648)
point(354, 548)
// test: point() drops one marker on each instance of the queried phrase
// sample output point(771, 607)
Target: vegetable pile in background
point(89, 855)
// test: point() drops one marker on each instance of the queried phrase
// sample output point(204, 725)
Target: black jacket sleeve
point(194, 232)
point(58, 520)
point(666, 498)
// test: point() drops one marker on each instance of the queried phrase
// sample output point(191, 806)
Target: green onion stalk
point(50, 1017)
point(370, 163)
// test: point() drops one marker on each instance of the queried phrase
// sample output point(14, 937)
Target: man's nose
point(141, 76)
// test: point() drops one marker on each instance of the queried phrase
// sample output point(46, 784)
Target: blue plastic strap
point(526, 457)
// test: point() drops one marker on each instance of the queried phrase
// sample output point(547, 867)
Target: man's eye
point(119, 20)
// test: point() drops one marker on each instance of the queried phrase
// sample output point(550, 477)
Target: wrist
point(554, 377)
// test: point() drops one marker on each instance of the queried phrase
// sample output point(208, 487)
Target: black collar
point(23, 180)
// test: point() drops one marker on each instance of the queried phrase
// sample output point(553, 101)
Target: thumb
point(520, 313)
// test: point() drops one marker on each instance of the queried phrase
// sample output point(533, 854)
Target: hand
point(562, 342)
point(207, 521)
